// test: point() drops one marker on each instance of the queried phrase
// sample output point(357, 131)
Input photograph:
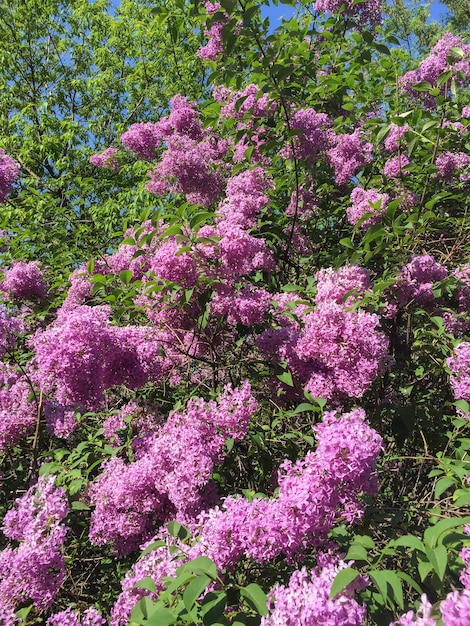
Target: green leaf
point(125, 276)
point(347, 243)
point(286, 378)
point(79, 506)
point(161, 617)
point(256, 596)
point(178, 530)
point(342, 579)
point(422, 86)
point(194, 590)
point(357, 553)
point(153, 546)
point(201, 565)
point(442, 485)
point(146, 583)
point(389, 586)
point(438, 558)
point(408, 541)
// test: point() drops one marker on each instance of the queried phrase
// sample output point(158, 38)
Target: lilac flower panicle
point(9, 172)
point(333, 286)
point(313, 493)
point(362, 201)
point(348, 154)
point(214, 47)
point(35, 569)
point(368, 13)
point(435, 64)
point(18, 415)
point(416, 280)
point(145, 137)
point(171, 476)
point(10, 328)
point(305, 600)
point(69, 617)
point(24, 281)
point(459, 365)
point(106, 160)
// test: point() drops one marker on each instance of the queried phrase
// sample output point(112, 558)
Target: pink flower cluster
point(368, 12)
point(337, 352)
point(396, 166)
point(313, 494)
point(454, 610)
point(459, 365)
point(10, 327)
point(450, 163)
point(17, 414)
point(305, 600)
point(214, 46)
point(36, 568)
point(367, 201)
point(314, 136)
point(436, 63)
point(348, 154)
point(81, 355)
point(145, 137)
point(9, 172)
point(69, 617)
point(24, 281)
point(172, 471)
point(416, 281)
point(106, 160)
point(394, 139)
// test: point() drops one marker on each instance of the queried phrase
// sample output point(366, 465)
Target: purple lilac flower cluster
point(367, 201)
point(313, 493)
point(36, 568)
point(81, 355)
point(69, 617)
point(451, 163)
point(348, 154)
point(24, 281)
point(214, 46)
point(306, 600)
point(172, 471)
point(10, 328)
point(18, 414)
point(416, 281)
point(435, 64)
point(106, 160)
point(369, 13)
point(9, 172)
point(459, 365)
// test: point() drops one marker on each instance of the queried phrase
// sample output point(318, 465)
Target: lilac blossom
point(313, 137)
point(24, 281)
point(459, 365)
point(245, 197)
point(106, 160)
point(396, 166)
point(10, 328)
point(306, 600)
point(145, 137)
point(69, 617)
point(313, 494)
point(362, 201)
point(368, 13)
point(9, 172)
point(345, 285)
point(435, 64)
point(35, 569)
point(343, 349)
point(394, 139)
point(172, 472)
point(187, 166)
point(416, 281)
point(214, 46)
point(18, 414)
point(449, 163)
point(348, 155)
